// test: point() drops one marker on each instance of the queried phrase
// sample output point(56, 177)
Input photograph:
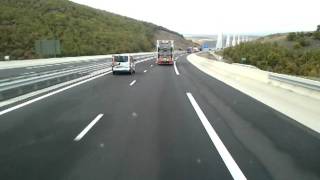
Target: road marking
point(85, 130)
point(50, 94)
point(224, 153)
point(132, 83)
point(29, 95)
point(151, 65)
point(145, 71)
point(175, 68)
point(27, 73)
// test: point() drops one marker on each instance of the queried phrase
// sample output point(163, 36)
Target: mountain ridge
point(81, 30)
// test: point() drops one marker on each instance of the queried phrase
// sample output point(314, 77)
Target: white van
point(123, 63)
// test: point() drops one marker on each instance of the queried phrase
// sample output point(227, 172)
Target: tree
point(292, 36)
point(277, 58)
point(297, 46)
point(316, 35)
point(303, 42)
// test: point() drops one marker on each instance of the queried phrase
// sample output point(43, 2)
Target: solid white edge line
point(85, 130)
point(224, 153)
point(175, 68)
point(50, 94)
point(132, 83)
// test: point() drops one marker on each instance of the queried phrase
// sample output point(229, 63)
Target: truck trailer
point(165, 52)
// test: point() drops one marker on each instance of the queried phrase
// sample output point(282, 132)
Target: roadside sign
point(48, 47)
point(7, 58)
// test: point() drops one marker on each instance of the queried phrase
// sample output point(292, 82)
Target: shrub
point(276, 58)
point(316, 35)
point(292, 36)
point(303, 42)
point(297, 46)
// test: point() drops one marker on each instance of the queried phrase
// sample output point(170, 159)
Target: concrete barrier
point(38, 62)
point(296, 84)
point(234, 70)
point(299, 103)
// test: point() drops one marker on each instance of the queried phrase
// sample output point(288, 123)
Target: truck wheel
point(114, 73)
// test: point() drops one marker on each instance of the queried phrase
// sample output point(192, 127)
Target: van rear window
point(121, 58)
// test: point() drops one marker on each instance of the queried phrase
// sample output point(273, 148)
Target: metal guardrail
point(15, 89)
point(297, 81)
point(20, 86)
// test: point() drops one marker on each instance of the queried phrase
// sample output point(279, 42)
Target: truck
point(195, 49)
point(165, 52)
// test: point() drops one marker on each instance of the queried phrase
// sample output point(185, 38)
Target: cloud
point(213, 16)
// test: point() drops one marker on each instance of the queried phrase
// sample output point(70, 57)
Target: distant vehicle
point(165, 51)
point(189, 50)
point(195, 49)
point(123, 63)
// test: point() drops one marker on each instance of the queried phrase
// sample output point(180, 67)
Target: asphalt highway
point(33, 70)
point(163, 122)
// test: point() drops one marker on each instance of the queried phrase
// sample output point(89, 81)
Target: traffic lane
point(152, 132)
point(15, 103)
point(262, 140)
point(9, 73)
point(37, 140)
point(62, 98)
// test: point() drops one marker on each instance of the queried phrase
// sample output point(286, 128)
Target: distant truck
point(192, 49)
point(165, 51)
point(195, 49)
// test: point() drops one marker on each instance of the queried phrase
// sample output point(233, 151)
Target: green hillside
point(81, 30)
point(290, 53)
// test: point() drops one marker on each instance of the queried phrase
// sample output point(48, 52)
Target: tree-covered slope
point(291, 53)
point(81, 30)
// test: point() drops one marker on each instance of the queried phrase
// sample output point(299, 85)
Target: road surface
point(164, 122)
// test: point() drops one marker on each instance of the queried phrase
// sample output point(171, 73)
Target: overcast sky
point(214, 16)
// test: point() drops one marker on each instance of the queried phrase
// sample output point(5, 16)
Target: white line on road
point(27, 73)
point(145, 71)
point(50, 94)
point(224, 153)
point(85, 130)
point(29, 95)
point(175, 68)
point(132, 83)
point(151, 65)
